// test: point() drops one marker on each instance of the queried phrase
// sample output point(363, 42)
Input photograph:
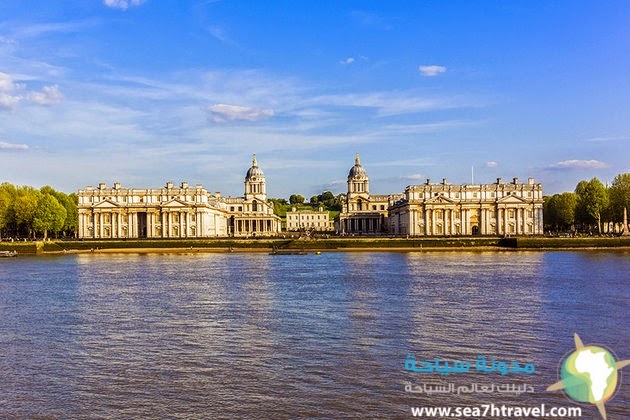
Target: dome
point(357, 171)
point(254, 171)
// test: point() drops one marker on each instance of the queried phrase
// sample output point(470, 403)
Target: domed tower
point(255, 185)
point(358, 181)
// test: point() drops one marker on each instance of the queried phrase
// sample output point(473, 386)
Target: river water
point(249, 335)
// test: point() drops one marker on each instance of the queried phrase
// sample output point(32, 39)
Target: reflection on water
point(315, 336)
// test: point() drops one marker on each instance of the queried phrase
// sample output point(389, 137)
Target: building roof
point(357, 171)
point(254, 171)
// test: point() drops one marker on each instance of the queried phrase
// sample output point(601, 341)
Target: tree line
point(26, 212)
point(592, 207)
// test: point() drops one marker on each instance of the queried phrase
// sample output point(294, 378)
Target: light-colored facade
point(363, 213)
point(484, 209)
point(177, 212)
point(252, 215)
point(168, 212)
point(308, 220)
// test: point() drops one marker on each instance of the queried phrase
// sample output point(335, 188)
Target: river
point(251, 335)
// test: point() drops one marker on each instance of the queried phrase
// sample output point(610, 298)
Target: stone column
point(505, 222)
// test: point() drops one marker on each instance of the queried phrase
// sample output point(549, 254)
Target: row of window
point(175, 217)
point(476, 194)
point(511, 213)
point(305, 217)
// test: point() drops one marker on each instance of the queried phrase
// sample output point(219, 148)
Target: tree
point(49, 216)
point(559, 211)
point(592, 200)
point(619, 194)
point(296, 199)
point(7, 214)
point(24, 207)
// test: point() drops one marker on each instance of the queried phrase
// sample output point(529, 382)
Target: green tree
point(7, 213)
point(592, 201)
point(296, 199)
point(24, 208)
point(559, 211)
point(49, 216)
point(619, 194)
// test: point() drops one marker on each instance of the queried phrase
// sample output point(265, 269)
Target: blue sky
point(148, 91)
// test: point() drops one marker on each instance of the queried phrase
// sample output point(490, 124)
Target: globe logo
point(589, 375)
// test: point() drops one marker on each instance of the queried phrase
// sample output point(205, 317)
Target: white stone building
point(482, 209)
point(308, 220)
point(363, 213)
point(177, 212)
point(167, 212)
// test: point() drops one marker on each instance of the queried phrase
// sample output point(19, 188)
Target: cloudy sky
point(148, 91)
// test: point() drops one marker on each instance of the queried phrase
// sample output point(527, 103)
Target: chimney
point(530, 181)
point(101, 186)
point(169, 184)
point(116, 185)
point(499, 181)
point(184, 184)
point(515, 181)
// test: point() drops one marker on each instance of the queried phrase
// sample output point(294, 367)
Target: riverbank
point(330, 244)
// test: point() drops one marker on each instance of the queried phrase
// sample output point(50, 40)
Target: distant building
point(308, 220)
point(487, 209)
point(177, 212)
point(363, 213)
point(252, 215)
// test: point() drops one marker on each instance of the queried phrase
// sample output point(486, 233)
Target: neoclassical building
point(177, 212)
point(483, 209)
point(308, 220)
point(362, 212)
point(252, 214)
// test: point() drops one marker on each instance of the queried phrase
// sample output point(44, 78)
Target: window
point(373, 207)
point(511, 213)
point(382, 207)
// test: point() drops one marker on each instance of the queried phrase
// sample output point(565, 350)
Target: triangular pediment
point(105, 204)
point(511, 199)
point(440, 200)
point(174, 203)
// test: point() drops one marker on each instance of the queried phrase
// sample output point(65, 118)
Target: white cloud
point(49, 95)
point(432, 70)
point(578, 164)
point(608, 138)
point(219, 33)
point(414, 177)
point(221, 113)
point(7, 99)
point(347, 61)
point(491, 164)
point(6, 82)
point(122, 4)
point(10, 146)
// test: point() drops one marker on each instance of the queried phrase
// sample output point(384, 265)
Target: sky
point(148, 91)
